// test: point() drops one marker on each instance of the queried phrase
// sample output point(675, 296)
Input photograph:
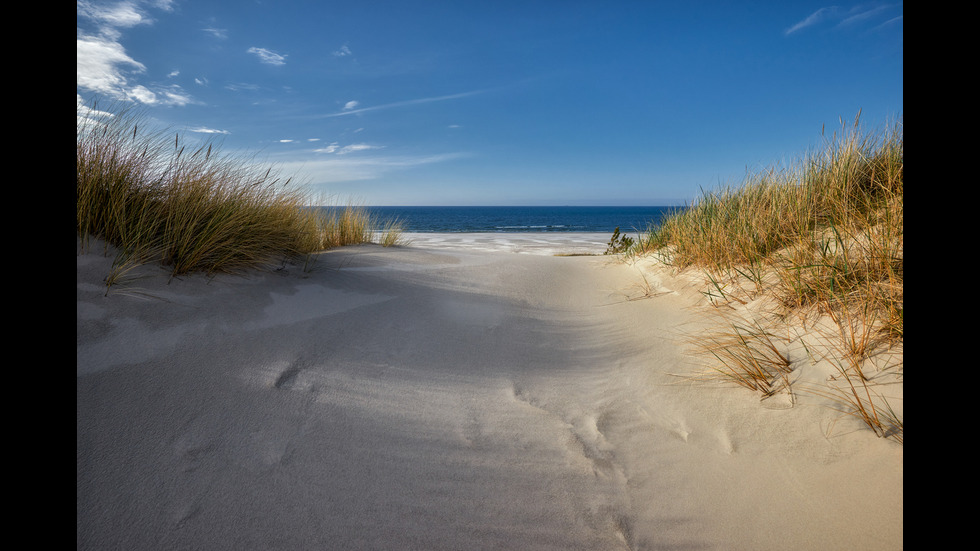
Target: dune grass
point(158, 198)
point(822, 237)
point(750, 356)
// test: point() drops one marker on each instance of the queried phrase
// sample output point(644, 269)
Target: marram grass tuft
point(157, 198)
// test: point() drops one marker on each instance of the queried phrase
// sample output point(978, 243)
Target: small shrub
point(619, 243)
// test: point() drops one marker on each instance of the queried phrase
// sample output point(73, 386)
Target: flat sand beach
point(538, 243)
point(464, 392)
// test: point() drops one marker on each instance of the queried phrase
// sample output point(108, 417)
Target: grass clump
point(158, 198)
point(823, 237)
point(351, 224)
point(826, 232)
point(619, 243)
point(750, 356)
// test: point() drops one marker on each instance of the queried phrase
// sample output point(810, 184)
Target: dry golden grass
point(823, 237)
point(748, 355)
point(191, 208)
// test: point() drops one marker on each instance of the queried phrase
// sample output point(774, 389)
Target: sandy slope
point(426, 398)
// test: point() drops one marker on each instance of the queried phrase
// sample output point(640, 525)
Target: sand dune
point(432, 397)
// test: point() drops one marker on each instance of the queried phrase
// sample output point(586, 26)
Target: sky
point(530, 102)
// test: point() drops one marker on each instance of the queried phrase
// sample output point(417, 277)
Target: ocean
point(522, 219)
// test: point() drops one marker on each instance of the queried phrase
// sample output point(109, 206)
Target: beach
point(465, 391)
point(537, 243)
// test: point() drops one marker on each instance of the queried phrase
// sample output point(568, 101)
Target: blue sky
point(529, 102)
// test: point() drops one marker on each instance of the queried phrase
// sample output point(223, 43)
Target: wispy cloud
point(351, 111)
point(204, 130)
point(357, 147)
point(333, 169)
point(843, 17)
point(239, 86)
point(344, 51)
point(172, 95)
point(860, 14)
point(89, 117)
point(891, 21)
point(268, 56)
point(217, 33)
point(818, 16)
point(350, 105)
point(335, 148)
point(111, 18)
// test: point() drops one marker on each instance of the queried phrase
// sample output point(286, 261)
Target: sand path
point(417, 398)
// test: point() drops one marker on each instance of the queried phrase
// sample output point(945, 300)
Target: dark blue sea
point(522, 219)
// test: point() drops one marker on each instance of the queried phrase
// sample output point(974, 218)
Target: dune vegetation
point(155, 196)
point(811, 248)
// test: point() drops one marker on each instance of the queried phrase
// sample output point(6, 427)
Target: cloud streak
point(842, 17)
point(346, 169)
point(205, 130)
point(337, 149)
point(393, 105)
point(814, 18)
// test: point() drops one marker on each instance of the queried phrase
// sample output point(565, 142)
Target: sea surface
point(522, 219)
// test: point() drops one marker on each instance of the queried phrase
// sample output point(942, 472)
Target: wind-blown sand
point(438, 397)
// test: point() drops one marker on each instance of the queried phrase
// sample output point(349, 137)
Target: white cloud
point(163, 96)
point(268, 56)
point(175, 96)
point(89, 111)
point(234, 87)
point(891, 21)
point(111, 17)
point(102, 64)
point(350, 105)
point(326, 170)
point(217, 33)
point(843, 17)
point(343, 51)
point(165, 5)
point(142, 94)
point(357, 147)
point(812, 19)
point(859, 14)
point(352, 148)
point(204, 130)
point(88, 117)
point(400, 104)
